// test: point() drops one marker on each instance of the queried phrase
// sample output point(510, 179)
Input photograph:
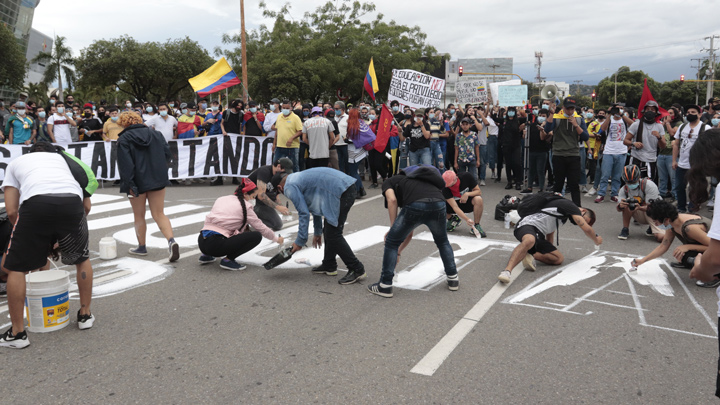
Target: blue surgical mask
point(114, 118)
point(371, 117)
point(396, 108)
point(253, 109)
point(21, 111)
point(541, 119)
point(665, 227)
point(306, 113)
point(69, 114)
point(338, 112)
point(191, 113)
point(286, 111)
point(535, 111)
point(452, 111)
point(203, 105)
point(272, 107)
point(511, 113)
point(171, 105)
point(61, 110)
point(163, 113)
point(93, 108)
point(41, 114)
point(184, 110)
point(52, 101)
point(715, 121)
point(633, 186)
point(214, 108)
point(149, 109)
point(431, 116)
point(589, 116)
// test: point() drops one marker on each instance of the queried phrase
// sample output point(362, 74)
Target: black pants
point(568, 167)
point(321, 162)
point(232, 247)
point(513, 163)
point(268, 215)
point(647, 169)
point(378, 164)
point(335, 243)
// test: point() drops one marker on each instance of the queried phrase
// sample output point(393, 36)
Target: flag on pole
point(217, 77)
point(371, 84)
point(647, 96)
point(385, 129)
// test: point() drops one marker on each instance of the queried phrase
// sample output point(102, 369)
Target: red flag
point(385, 129)
point(647, 96)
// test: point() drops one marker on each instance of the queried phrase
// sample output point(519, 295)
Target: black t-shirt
point(264, 174)
point(251, 128)
point(417, 139)
point(408, 191)
point(467, 184)
point(511, 135)
point(92, 124)
point(232, 122)
point(537, 144)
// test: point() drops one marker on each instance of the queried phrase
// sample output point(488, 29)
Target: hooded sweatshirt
point(139, 156)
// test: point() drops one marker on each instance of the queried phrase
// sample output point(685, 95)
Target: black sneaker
point(624, 233)
point(518, 187)
point(526, 191)
point(453, 283)
point(378, 289)
point(711, 284)
point(85, 321)
point(509, 186)
point(217, 182)
point(324, 270)
point(19, 341)
point(362, 193)
point(649, 232)
point(353, 276)
point(374, 185)
point(174, 250)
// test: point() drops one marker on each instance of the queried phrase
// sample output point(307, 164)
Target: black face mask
point(600, 117)
point(649, 116)
point(692, 117)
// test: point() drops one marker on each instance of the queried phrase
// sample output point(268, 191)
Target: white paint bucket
point(108, 248)
point(46, 300)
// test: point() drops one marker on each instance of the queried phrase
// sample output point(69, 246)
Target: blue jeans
point(665, 170)
point(403, 153)
point(420, 156)
point(412, 215)
point(353, 172)
point(612, 165)
point(483, 161)
point(598, 170)
point(437, 155)
point(583, 173)
point(468, 167)
point(292, 154)
point(342, 153)
point(443, 149)
point(680, 188)
point(492, 142)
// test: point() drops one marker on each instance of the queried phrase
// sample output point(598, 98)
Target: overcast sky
point(580, 40)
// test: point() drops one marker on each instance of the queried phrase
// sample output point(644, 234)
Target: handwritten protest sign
point(415, 89)
point(471, 91)
point(512, 95)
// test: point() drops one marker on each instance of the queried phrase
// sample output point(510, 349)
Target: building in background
point(502, 69)
point(38, 42)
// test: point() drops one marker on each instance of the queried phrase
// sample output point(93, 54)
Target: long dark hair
point(705, 158)
point(241, 196)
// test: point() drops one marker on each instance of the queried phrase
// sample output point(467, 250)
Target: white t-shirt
point(162, 125)
point(61, 128)
point(686, 143)
point(492, 128)
point(342, 122)
point(616, 135)
point(40, 173)
point(270, 119)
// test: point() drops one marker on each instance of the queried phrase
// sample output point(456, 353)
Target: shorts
point(464, 207)
point(643, 219)
point(542, 245)
point(42, 221)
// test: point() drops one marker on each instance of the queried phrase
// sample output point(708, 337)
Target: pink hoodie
point(226, 217)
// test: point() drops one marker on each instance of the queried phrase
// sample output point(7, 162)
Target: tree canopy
point(12, 63)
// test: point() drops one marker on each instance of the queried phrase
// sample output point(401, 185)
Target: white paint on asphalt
point(123, 219)
point(648, 274)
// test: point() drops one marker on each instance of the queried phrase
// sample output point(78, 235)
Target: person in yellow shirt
point(289, 129)
point(593, 128)
point(111, 129)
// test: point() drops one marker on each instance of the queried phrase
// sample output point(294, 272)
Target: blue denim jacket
point(316, 191)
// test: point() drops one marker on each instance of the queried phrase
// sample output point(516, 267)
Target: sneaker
point(624, 233)
point(453, 223)
point(479, 230)
point(600, 199)
point(453, 283)
point(324, 270)
point(85, 321)
point(138, 251)
point(711, 203)
point(509, 186)
point(19, 341)
point(614, 199)
point(649, 232)
point(529, 262)
point(711, 284)
point(504, 277)
point(228, 264)
point(353, 276)
point(584, 189)
point(379, 289)
point(526, 191)
point(492, 174)
point(374, 185)
point(362, 193)
point(678, 265)
point(518, 187)
point(206, 259)
point(482, 183)
point(591, 192)
point(217, 182)
point(174, 249)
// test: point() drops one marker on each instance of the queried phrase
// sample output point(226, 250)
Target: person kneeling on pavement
point(328, 193)
point(225, 230)
point(691, 229)
point(417, 189)
point(536, 231)
point(634, 198)
point(462, 194)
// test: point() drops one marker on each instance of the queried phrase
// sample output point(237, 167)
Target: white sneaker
point(592, 191)
point(85, 321)
point(584, 189)
point(529, 262)
point(711, 203)
point(492, 174)
point(482, 183)
point(504, 277)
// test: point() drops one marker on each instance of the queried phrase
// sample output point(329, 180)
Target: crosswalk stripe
point(117, 220)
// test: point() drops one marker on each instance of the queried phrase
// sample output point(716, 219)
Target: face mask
point(191, 113)
point(338, 112)
point(93, 108)
point(546, 107)
point(589, 115)
point(633, 186)
point(149, 109)
point(622, 111)
point(253, 109)
point(203, 105)
point(541, 119)
point(87, 115)
point(649, 116)
point(272, 107)
point(418, 119)
point(184, 110)
point(41, 114)
point(431, 116)
point(69, 114)
point(600, 117)
point(61, 110)
point(692, 117)
point(306, 113)
point(172, 105)
point(511, 113)
point(128, 105)
point(52, 101)
point(214, 108)
point(665, 227)
point(371, 117)
point(163, 113)
point(396, 109)
point(250, 202)
point(114, 118)
point(452, 111)
point(286, 111)
point(21, 112)
point(715, 121)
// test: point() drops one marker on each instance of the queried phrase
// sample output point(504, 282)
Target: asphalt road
point(186, 333)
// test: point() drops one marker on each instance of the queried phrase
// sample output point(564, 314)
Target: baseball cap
point(569, 102)
point(449, 177)
point(87, 105)
point(252, 104)
point(276, 179)
point(465, 120)
point(20, 104)
point(286, 164)
point(191, 104)
point(695, 106)
point(275, 101)
point(420, 111)
point(317, 110)
point(714, 100)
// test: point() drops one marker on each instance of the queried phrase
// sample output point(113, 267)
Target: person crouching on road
point(462, 194)
point(225, 231)
point(329, 193)
point(635, 196)
point(143, 176)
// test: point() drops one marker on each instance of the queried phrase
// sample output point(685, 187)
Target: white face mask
point(665, 227)
point(250, 202)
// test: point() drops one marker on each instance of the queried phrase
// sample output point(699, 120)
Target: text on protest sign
point(512, 95)
point(208, 156)
point(415, 89)
point(471, 91)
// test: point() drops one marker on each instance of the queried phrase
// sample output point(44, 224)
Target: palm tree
point(36, 92)
point(60, 61)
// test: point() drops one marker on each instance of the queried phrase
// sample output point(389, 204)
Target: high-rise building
point(18, 16)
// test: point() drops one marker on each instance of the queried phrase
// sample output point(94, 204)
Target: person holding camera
point(635, 197)
point(614, 153)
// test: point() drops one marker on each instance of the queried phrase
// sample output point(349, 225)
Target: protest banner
point(415, 89)
point(208, 156)
point(494, 88)
point(509, 96)
point(471, 91)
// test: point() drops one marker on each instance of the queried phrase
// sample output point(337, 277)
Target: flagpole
point(243, 50)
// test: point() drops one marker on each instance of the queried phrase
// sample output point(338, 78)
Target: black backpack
point(533, 203)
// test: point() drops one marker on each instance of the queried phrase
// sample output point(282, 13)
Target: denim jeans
point(352, 169)
point(403, 153)
point(468, 167)
point(598, 171)
point(342, 152)
point(483, 162)
point(492, 142)
point(538, 160)
point(420, 156)
point(291, 153)
point(665, 170)
point(412, 215)
point(583, 173)
point(612, 165)
point(335, 243)
point(437, 155)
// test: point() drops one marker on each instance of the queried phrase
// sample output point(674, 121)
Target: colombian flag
point(371, 83)
point(217, 77)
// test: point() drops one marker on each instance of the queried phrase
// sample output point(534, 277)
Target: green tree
point(36, 92)
point(629, 87)
point(150, 71)
point(59, 62)
point(327, 50)
point(12, 62)
point(676, 92)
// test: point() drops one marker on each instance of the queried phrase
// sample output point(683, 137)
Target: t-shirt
point(91, 124)
point(264, 174)
point(669, 140)
point(318, 130)
point(22, 128)
point(40, 173)
point(537, 144)
point(417, 139)
point(407, 191)
point(615, 136)
point(466, 146)
point(215, 127)
point(342, 127)
point(112, 130)
point(651, 192)
point(287, 127)
point(687, 139)
point(61, 128)
point(436, 127)
point(492, 128)
point(544, 220)
point(648, 153)
point(270, 119)
point(466, 183)
point(232, 122)
point(164, 126)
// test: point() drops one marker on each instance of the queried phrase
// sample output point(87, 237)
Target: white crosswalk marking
point(123, 219)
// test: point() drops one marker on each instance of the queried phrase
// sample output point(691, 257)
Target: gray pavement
point(182, 333)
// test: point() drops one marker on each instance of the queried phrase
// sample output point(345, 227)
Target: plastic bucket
point(47, 300)
point(108, 248)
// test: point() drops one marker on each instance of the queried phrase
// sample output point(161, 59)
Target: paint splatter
point(573, 273)
point(648, 274)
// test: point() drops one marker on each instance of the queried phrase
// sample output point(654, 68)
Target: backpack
point(702, 128)
point(534, 203)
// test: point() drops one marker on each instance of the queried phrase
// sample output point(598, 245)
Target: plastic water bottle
point(287, 218)
point(507, 221)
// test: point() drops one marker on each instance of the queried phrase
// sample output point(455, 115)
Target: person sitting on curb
point(462, 194)
point(634, 198)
